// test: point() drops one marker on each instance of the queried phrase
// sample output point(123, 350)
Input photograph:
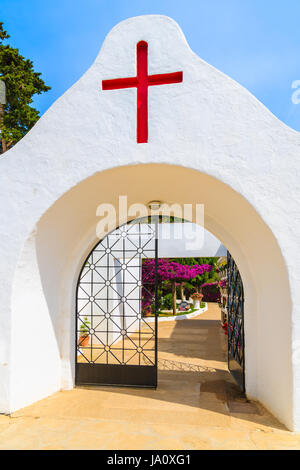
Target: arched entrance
point(115, 343)
point(51, 256)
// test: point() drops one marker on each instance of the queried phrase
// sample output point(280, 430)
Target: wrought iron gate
point(116, 344)
point(235, 312)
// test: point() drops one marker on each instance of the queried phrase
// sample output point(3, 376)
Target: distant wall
point(180, 241)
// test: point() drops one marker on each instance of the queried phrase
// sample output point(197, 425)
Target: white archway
point(211, 142)
point(66, 233)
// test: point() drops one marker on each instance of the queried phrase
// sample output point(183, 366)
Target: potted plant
point(84, 337)
point(197, 297)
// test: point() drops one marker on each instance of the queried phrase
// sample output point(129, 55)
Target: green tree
point(17, 117)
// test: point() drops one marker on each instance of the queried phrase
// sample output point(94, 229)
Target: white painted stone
point(229, 152)
point(180, 317)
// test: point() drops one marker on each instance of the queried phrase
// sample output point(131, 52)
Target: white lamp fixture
point(154, 205)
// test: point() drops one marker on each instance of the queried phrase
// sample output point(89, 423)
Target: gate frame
point(239, 372)
point(131, 369)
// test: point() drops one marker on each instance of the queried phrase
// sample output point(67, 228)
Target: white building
point(188, 241)
point(207, 133)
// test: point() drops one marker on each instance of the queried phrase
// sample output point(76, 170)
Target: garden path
point(196, 405)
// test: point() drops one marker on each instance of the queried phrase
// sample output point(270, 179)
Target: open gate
point(115, 343)
point(235, 313)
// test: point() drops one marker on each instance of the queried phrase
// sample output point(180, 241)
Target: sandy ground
point(196, 405)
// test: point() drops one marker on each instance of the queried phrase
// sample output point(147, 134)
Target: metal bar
point(89, 294)
point(235, 313)
point(156, 290)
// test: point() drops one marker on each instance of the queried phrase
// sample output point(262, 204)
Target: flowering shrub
point(210, 291)
point(184, 308)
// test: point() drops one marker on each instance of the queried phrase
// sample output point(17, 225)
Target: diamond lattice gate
point(235, 311)
point(115, 343)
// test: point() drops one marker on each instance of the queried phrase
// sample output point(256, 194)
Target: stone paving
point(196, 405)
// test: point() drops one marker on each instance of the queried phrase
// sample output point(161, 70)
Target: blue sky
point(256, 42)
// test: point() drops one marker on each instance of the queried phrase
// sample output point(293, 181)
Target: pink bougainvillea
point(166, 271)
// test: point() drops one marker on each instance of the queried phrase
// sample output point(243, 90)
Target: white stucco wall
point(229, 153)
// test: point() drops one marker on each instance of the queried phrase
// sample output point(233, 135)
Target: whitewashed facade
point(228, 152)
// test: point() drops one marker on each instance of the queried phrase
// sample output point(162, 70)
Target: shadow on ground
point(193, 375)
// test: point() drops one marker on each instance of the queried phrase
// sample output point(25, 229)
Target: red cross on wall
point(141, 82)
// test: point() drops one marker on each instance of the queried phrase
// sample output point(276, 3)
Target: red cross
point(141, 82)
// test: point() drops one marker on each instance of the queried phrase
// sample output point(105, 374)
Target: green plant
point(167, 302)
point(85, 327)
